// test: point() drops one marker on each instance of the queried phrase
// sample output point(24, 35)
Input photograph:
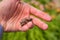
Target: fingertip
point(45, 27)
point(49, 18)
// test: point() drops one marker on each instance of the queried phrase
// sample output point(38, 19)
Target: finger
point(40, 14)
point(26, 27)
point(39, 23)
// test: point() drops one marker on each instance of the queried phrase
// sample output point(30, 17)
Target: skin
point(13, 11)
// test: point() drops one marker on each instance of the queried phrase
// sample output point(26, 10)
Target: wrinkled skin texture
point(13, 11)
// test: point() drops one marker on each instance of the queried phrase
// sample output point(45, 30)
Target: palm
point(13, 23)
point(13, 17)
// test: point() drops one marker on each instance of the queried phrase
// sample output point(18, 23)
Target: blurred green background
point(53, 32)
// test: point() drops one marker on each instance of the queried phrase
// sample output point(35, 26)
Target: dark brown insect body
point(25, 21)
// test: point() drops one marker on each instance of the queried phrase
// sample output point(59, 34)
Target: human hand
point(12, 12)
